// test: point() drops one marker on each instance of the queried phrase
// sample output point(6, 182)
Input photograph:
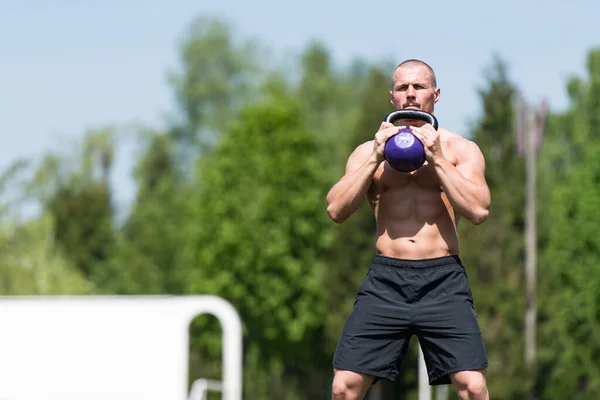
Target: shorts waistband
point(423, 263)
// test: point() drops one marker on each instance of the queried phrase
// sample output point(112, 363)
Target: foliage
point(260, 228)
point(30, 264)
point(570, 283)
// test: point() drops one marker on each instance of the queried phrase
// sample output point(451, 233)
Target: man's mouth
point(412, 107)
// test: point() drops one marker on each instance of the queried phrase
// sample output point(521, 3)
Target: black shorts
point(429, 298)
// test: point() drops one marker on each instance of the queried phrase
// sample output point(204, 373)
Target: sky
point(68, 66)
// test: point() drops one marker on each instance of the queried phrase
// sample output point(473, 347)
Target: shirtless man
point(416, 283)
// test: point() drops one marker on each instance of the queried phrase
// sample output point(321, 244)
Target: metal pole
point(424, 388)
point(441, 392)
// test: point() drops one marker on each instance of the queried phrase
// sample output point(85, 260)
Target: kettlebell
point(404, 151)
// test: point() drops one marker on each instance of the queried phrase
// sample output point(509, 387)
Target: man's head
point(414, 86)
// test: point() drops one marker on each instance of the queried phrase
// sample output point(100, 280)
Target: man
point(416, 283)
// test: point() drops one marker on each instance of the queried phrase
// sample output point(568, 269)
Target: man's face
point(412, 89)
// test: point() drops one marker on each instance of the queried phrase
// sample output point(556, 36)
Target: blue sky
point(66, 66)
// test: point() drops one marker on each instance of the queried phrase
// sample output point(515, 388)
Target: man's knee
point(470, 385)
point(477, 390)
point(348, 385)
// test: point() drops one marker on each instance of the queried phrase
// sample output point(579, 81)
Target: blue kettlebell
point(404, 151)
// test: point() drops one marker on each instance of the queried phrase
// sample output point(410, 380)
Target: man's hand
point(431, 141)
point(386, 131)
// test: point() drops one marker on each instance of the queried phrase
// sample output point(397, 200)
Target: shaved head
point(414, 86)
point(414, 62)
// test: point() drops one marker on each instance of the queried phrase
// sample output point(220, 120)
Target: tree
point(30, 264)
point(216, 78)
point(570, 283)
point(152, 235)
point(79, 199)
point(259, 232)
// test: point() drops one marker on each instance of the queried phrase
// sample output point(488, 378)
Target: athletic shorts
point(429, 298)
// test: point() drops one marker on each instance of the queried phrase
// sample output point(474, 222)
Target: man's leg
point(470, 385)
point(348, 385)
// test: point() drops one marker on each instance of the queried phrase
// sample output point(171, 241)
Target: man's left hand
point(431, 141)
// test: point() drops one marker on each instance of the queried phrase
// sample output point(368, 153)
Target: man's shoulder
point(364, 148)
point(456, 140)
point(463, 150)
point(359, 155)
point(447, 134)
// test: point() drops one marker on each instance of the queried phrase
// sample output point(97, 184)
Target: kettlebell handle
point(412, 114)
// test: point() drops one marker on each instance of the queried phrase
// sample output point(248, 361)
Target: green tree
point(216, 77)
point(152, 235)
point(30, 264)
point(78, 197)
point(259, 232)
point(570, 283)
point(13, 189)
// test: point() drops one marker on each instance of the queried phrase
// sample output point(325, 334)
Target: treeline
point(231, 201)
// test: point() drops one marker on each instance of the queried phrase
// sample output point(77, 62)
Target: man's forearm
point(467, 198)
point(345, 197)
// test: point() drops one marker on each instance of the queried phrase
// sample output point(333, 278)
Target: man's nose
point(410, 92)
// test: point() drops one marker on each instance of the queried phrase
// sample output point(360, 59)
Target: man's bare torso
point(414, 217)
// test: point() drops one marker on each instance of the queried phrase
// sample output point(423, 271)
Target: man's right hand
point(386, 131)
